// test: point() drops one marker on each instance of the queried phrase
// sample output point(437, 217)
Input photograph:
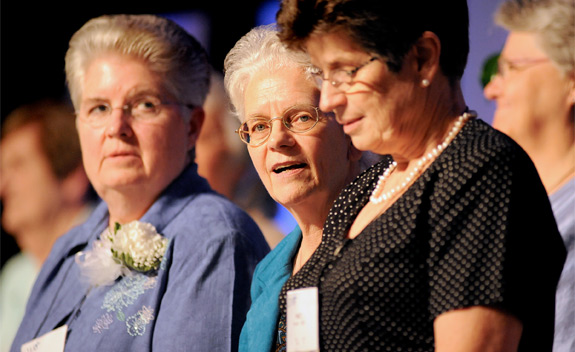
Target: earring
point(425, 83)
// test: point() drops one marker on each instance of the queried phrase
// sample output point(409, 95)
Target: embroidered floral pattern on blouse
point(126, 292)
point(137, 323)
point(122, 295)
point(103, 323)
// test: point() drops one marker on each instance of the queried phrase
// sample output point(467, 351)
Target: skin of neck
point(440, 114)
point(124, 207)
point(37, 239)
point(131, 202)
point(551, 146)
point(310, 215)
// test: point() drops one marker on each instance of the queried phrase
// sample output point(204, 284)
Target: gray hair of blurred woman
point(553, 23)
point(261, 49)
point(167, 49)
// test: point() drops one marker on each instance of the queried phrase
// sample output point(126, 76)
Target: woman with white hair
point(300, 153)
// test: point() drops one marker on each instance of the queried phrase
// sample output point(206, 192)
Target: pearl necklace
point(421, 163)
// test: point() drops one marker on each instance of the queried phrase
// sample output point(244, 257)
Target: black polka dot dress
point(476, 228)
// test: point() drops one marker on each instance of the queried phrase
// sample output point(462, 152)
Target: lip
point(351, 125)
point(120, 155)
point(288, 167)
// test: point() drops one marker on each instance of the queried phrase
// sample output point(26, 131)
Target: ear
point(195, 123)
point(571, 94)
point(427, 50)
point(74, 186)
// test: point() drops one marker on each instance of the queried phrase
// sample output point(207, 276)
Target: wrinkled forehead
point(271, 93)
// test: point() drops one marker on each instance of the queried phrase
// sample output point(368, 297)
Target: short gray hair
point(553, 23)
point(167, 49)
point(259, 49)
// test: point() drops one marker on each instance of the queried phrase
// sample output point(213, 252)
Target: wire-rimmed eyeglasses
point(340, 78)
point(298, 119)
point(144, 108)
point(504, 66)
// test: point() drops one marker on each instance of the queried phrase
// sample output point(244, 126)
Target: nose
point(331, 97)
point(280, 136)
point(119, 123)
point(493, 88)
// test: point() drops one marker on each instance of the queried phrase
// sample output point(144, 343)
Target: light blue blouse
point(563, 204)
point(196, 301)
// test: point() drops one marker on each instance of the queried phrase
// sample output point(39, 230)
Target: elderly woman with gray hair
point(300, 153)
point(535, 95)
point(163, 263)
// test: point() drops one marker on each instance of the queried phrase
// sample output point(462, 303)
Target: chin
point(296, 196)
point(121, 182)
point(363, 144)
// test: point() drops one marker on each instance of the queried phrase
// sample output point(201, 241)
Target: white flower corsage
point(133, 246)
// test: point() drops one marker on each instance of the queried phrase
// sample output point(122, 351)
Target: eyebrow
point(261, 116)
point(132, 94)
point(258, 117)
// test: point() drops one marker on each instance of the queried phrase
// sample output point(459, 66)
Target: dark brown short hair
point(58, 136)
point(388, 28)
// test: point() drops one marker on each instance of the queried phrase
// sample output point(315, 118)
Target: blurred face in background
point(220, 155)
point(312, 166)
point(528, 90)
point(29, 188)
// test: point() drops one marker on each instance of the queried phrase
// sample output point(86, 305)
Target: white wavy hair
point(259, 49)
point(165, 47)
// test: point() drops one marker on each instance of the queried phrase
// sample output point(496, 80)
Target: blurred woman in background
point(535, 95)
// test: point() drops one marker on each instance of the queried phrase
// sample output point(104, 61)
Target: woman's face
point(28, 182)
point(296, 168)
point(381, 110)
point(124, 154)
point(530, 91)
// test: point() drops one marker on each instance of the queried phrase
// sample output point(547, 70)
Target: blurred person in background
point(44, 192)
point(163, 263)
point(224, 161)
point(300, 153)
point(534, 90)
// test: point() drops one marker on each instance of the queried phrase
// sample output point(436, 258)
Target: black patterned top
point(475, 228)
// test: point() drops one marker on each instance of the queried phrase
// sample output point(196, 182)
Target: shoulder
point(19, 267)
point(563, 205)
point(210, 207)
point(209, 219)
point(485, 157)
point(480, 142)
